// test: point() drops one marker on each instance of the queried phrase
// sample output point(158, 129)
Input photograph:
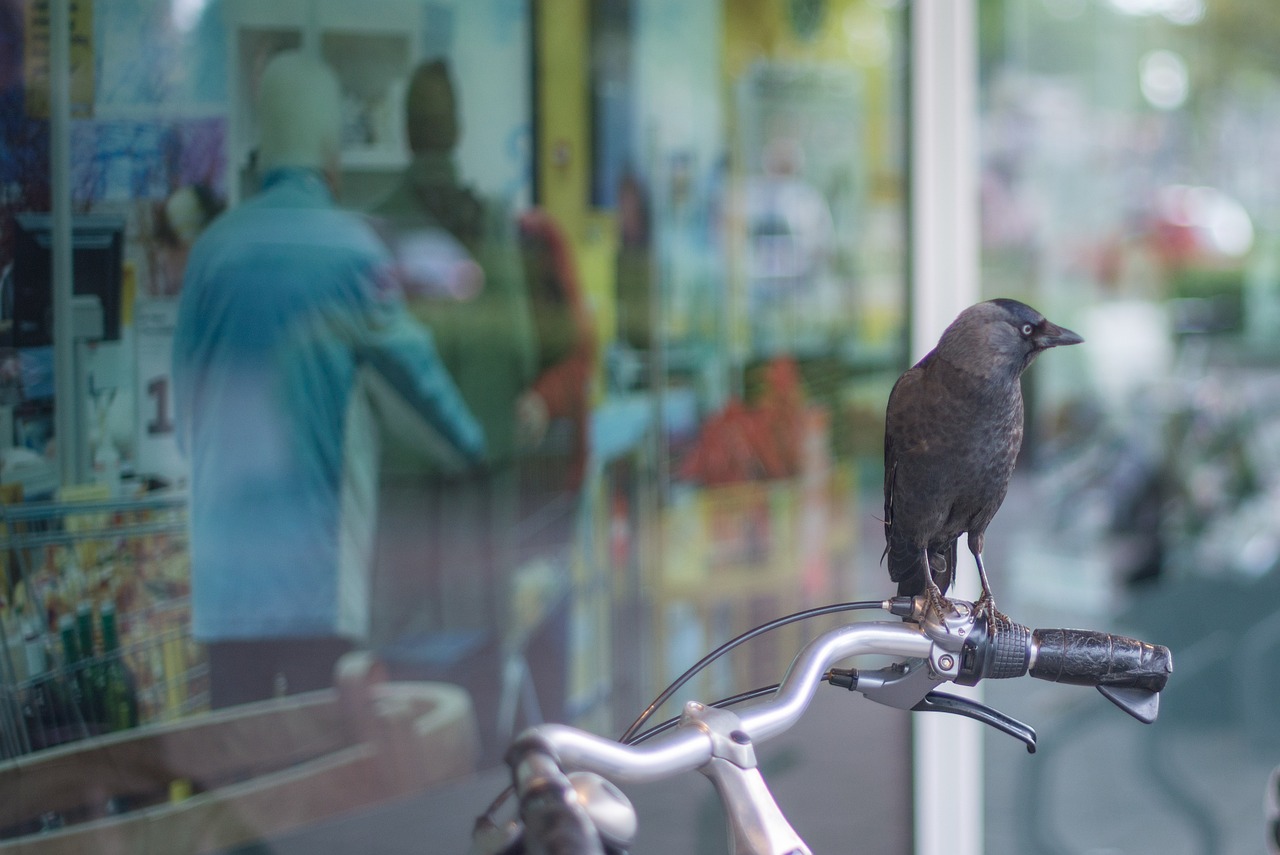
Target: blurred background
point(712, 205)
point(1125, 180)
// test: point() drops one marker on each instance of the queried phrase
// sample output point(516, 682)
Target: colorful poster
point(119, 161)
point(36, 57)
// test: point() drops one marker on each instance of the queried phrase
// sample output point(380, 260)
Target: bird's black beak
point(1053, 335)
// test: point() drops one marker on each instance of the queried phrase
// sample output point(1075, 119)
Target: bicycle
point(564, 778)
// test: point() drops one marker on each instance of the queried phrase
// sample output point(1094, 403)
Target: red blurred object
point(566, 330)
point(742, 443)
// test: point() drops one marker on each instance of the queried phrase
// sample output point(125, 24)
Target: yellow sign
point(36, 61)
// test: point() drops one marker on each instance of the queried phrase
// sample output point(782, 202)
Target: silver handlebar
point(687, 749)
point(719, 743)
point(929, 649)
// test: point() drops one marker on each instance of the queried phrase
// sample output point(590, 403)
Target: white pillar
point(944, 162)
point(947, 750)
point(65, 408)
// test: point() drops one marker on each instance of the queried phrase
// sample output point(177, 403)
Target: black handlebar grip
point(1088, 658)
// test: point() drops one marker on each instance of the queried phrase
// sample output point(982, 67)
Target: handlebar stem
point(757, 825)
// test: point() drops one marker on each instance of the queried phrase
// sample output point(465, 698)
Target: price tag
point(156, 440)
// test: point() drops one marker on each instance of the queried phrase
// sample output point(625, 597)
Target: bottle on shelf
point(120, 689)
point(92, 675)
point(37, 700)
point(84, 628)
point(47, 711)
point(72, 682)
point(106, 466)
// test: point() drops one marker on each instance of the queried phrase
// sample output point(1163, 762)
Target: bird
point(953, 430)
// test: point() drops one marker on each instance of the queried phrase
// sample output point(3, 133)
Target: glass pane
point(1127, 192)
point(435, 369)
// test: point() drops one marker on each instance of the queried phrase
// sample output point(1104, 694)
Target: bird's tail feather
point(905, 567)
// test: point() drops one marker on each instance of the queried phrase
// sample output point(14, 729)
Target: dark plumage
point(953, 429)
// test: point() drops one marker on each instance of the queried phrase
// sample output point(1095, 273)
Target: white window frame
point(947, 769)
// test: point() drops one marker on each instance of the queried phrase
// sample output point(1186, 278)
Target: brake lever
point(900, 685)
point(956, 705)
point(909, 685)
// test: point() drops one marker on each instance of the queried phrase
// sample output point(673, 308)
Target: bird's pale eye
point(1027, 329)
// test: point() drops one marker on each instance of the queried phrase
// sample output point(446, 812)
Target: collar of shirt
point(311, 180)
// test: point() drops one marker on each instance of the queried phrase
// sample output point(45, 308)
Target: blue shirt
point(285, 306)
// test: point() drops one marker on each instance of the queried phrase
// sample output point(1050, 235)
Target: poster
point(36, 57)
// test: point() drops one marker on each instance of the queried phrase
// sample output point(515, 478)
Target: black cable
point(498, 802)
point(720, 704)
point(628, 737)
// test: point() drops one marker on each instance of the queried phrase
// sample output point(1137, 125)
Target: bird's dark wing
point(918, 447)
point(903, 556)
point(902, 551)
point(897, 435)
point(891, 449)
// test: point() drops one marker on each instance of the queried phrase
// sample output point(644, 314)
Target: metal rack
point(122, 541)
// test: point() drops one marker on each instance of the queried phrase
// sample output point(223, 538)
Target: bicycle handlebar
point(684, 750)
point(958, 647)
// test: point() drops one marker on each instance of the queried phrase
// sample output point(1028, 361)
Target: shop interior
point(713, 205)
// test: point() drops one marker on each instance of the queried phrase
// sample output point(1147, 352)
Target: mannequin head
point(300, 116)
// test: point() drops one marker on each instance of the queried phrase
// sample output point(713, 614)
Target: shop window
point(664, 274)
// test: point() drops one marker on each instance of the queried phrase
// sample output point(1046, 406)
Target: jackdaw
point(953, 429)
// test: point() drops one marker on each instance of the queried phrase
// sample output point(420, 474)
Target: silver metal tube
point(689, 748)
point(682, 751)
point(784, 709)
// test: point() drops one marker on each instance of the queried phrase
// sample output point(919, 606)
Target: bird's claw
point(937, 605)
point(986, 607)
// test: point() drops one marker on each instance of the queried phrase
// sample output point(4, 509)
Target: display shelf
point(79, 560)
